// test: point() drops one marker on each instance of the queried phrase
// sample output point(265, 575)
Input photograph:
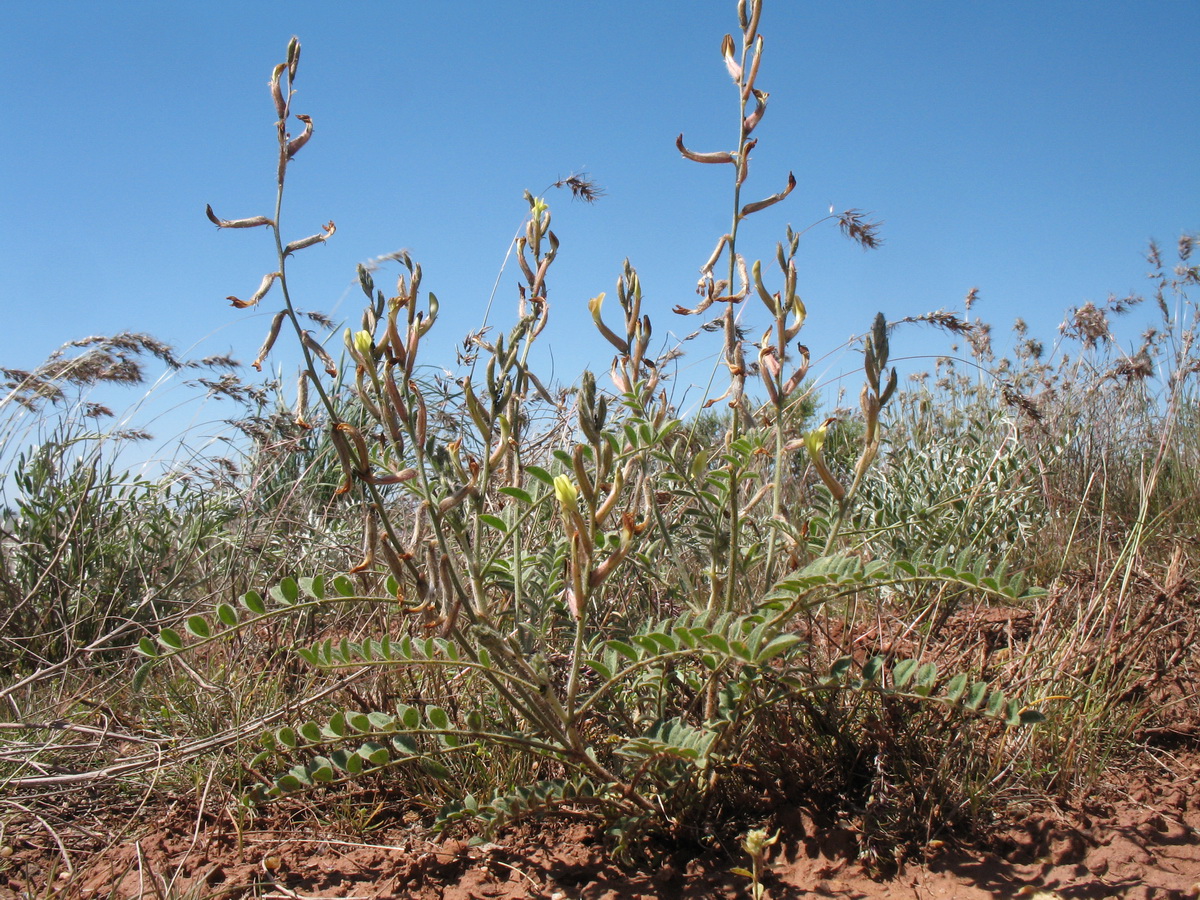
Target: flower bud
point(565, 491)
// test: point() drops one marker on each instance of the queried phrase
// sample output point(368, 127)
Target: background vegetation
point(491, 598)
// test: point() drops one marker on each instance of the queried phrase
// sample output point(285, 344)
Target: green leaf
point(198, 626)
point(594, 664)
point(409, 716)
point(405, 746)
point(1031, 717)
point(839, 669)
point(624, 649)
point(260, 759)
point(381, 721)
point(779, 644)
point(374, 753)
point(903, 673)
point(344, 586)
point(716, 642)
point(286, 592)
point(227, 615)
point(975, 695)
point(542, 475)
point(322, 770)
point(995, 703)
point(287, 737)
point(437, 717)
point(170, 638)
point(873, 668)
point(518, 494)
point(348, 762)
point(435, 769)
point(140, 673)
point(313, 587)
point(494, 522)
point(253, 601)
point(289, 784)
point(146, 647)
point(309, 656)
point(956, 687)
point(1012, 713)
point(359, 722)
point(311, 732)
point(926, 677)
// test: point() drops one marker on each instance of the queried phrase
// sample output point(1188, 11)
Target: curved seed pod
point(768, 379)
point(619, 380)
point(770, 301)
point(393, 393)
point(277, 91)
point(268, 280)
point(502, 442)
point(610, 502)
point(364, 396)
point(752, 28)
point(318, 351)
point(342, 446)
point(543, 316)
point(301, 139)
point(889, 390)
point(370, 539)
point(759, 205)
point(586, 486)
point(753, 77)
point(478, 415)
point(535, 288)
point(609, 335)
point(448, 503)
point(434, 306)
point(760, 106)
point(395, 566)
point(798, 375)
point(362, 465)
point(394, 478)
point(744, 160)
point(813, 442)
point(272, 334)
point(327, 232)
point(422, 423)
point(302, 400)
point(252, 222)
point(723, 156)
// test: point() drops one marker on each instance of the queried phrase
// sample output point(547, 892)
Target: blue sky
point(1027, 149)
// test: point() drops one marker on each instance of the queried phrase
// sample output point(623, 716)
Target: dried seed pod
point(277, 91)
point(272, 334)
point(318, 351)
point(302, 400)
point(722, 156)
point(328, 229)
point(301, 139)
point(759, 205)
point(268, 280)
point(252, 222)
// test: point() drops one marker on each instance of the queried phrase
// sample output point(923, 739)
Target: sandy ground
point(1139, 838)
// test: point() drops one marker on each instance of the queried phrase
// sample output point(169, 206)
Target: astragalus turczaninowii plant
point(583, 608)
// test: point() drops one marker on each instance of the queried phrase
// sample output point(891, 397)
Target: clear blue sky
point(1026, 148)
